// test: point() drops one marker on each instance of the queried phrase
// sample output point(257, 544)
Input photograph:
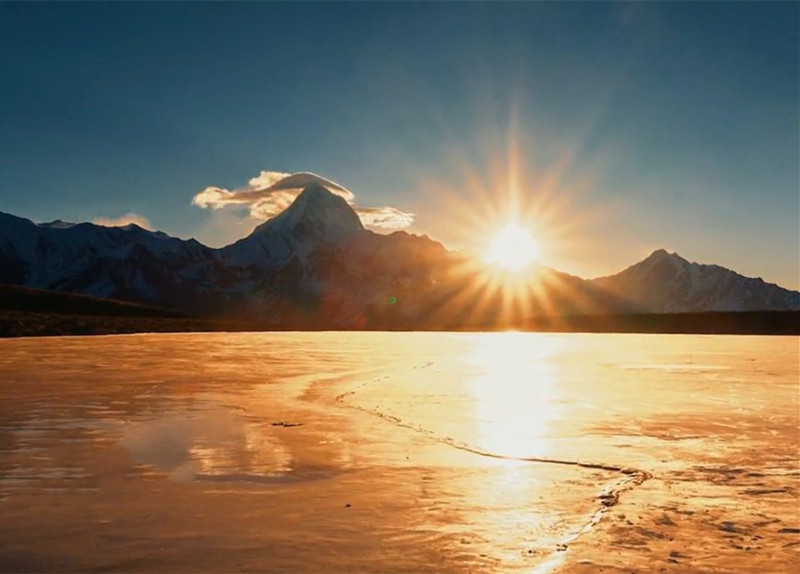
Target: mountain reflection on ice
point(215, 443)
point(399, 452)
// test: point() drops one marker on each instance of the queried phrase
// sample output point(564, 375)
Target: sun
point(513, 248)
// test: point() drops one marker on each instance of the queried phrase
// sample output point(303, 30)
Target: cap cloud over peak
point(271, 192)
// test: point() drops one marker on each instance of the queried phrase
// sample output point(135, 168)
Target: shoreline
point(15, 324)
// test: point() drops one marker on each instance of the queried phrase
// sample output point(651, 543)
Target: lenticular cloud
point(270, 192)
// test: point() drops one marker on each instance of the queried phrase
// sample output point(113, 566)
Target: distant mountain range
point(668, 283)
point(315, 266)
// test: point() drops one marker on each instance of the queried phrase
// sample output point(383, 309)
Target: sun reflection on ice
point(515, 403)
point(514, 396)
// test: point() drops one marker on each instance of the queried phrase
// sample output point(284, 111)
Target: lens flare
point(513, 248)
point(512, 215)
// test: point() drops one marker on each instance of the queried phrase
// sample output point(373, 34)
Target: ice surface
point(399, 452)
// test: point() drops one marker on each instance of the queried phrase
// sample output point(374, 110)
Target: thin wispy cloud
point(384, 217)
point(270, 192)
point(123, 220)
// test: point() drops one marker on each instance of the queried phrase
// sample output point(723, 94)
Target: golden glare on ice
point(513, 248)
point(513, 394)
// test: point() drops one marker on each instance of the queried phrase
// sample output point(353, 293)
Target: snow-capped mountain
point(668, 283)
point(315, 265)
point(315, 258)
point(128, 263)
point(316, 217)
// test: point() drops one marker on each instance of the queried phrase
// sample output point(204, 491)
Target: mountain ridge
point(666, 282)
point(314, 264)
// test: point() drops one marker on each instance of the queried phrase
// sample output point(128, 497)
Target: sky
point(609, 130)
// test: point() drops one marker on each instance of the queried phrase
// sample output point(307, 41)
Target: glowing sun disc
point(513, 248)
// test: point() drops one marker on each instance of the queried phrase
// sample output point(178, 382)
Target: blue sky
point(636, 126)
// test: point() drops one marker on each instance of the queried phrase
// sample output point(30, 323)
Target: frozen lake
point(400, 452)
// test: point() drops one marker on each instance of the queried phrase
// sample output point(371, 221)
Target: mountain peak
point(661, 254)
point(316, 217)
point(316, 210)
point(667, 283)
point(58, 224)
point(318, 195)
